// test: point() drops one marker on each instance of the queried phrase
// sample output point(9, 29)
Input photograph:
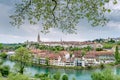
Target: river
point(77, 74)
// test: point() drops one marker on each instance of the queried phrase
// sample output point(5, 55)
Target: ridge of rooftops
point(77, 54)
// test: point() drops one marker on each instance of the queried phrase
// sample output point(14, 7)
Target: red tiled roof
point(101, 52)
point(35, 51)
point(53, 56)
point(93, 54)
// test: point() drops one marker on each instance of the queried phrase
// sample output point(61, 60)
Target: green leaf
point(109, 10)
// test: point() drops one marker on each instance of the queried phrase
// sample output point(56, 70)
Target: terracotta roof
point(62, 53)
point(93, 54)
point(38, 51)
point(97, 53)
point(35, 51)
point(53, 56)
point(90, 56)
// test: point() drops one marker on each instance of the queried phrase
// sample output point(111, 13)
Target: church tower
point(38, 38)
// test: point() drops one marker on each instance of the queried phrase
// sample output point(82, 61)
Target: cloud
point(112, 6)
point(114, 25)
point(10, 34)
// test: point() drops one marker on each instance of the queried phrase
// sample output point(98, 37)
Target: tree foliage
point(99, 49)
point(117, 55)
point(104, 75)
point(23, 57)
point(64, 77)
point(108, 45)
point(18, 77)
point(57, 76)
point(1, 46)
point(61, 14)
point(44, 76)
point(47, 61)
point(3, 55)
point(5, 70)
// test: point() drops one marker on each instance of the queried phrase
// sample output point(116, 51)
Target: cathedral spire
point(38, 38)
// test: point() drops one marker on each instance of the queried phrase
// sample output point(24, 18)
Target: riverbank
point(101, 66)
point(78, 74)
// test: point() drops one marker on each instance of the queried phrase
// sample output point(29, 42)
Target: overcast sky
point(10, 34)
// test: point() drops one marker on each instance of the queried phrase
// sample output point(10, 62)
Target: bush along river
point(77, 74)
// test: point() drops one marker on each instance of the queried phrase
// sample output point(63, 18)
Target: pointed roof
point(38, 38)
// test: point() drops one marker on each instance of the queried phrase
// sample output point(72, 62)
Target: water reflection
point(117, 70)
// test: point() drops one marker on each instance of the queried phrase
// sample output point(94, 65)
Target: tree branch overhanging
point(25, 7)
point(54, 18)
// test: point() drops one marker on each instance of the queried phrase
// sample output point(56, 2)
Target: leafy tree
point(1, 46)
point(23, 57)
point(108, 45)
point(104, 75)
point(57, 76)
point(1, 62)
point(99, 40)
point(43, 76)
point(71, 54)
point(64, 15)
point(102, 66)
point(117, 55)
point(111, 41)
point(89, 48)
point(83, 52)
point(73, 48)
point(39, 59)
point(37, 76)
point(5, 70)
point(3, 55)
point(59, 48)
point(47, 61)
point(1, 77)
point(64, 77)
point(18, 77)
point(118, 43)
point(99, 49)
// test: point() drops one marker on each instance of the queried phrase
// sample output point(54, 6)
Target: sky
point(10, 34)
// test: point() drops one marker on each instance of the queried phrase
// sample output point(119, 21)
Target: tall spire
point(38, 38)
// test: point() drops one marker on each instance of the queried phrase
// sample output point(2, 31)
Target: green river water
point(77, 74)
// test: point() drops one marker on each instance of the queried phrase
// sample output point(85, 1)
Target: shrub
point(18, 77)
point(64, 77)
point(4, 70)
point(102, 66)
point(3, 55)
point(105, 75)
point(99, 49)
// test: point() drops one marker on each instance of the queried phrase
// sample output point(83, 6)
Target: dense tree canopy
point(61, 14)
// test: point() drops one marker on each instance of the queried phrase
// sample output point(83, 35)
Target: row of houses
point(65, 58)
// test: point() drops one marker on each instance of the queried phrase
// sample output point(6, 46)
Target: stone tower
point(38, 38)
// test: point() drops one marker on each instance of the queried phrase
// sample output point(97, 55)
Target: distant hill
point(11, 44)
